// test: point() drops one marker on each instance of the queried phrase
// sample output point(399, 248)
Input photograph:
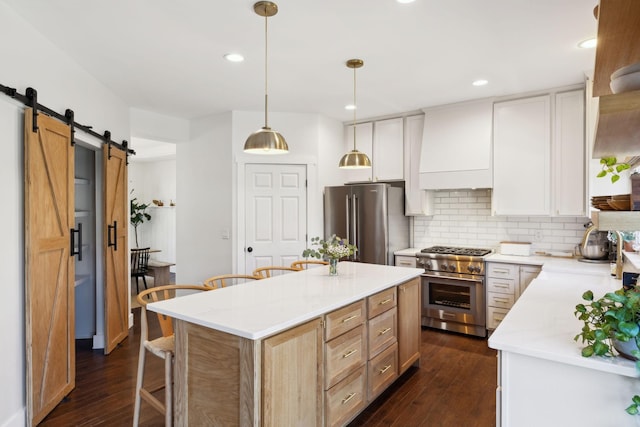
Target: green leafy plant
point(333, 248)
point(138, 215)
point(611, 166)
point(614, 316)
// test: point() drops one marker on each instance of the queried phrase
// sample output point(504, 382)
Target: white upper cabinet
point(364, 143)
point(568, 155)
point(388, 150)
point(456, 147)
point(382, 141)
point(522, 157)
point(539, 155)
point(417, 201)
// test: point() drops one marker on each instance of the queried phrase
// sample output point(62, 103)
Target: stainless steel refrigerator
point(371, 216)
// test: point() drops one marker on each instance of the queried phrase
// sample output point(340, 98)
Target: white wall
point(28, 59)
point(204, 206)
point(463, 218)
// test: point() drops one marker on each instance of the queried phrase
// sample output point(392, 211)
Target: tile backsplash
point(463, 218)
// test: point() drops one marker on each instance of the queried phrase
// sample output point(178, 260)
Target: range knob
point(452, 267)
point(471, 268)
point(444, 266)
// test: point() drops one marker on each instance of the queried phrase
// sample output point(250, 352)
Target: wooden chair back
point(161, 293)
point(304, 264)
point(270, 271)
point(224, 280)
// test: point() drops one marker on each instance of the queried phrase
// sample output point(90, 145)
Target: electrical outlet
point(538, 235)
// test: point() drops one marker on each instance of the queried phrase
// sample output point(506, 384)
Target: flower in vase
point(333, 248)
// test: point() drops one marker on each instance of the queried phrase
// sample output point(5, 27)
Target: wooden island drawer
point(344, 354)
point(382, 331)
point(381, 302)
point(346, 398)
point(343, 319)
point(382, 371)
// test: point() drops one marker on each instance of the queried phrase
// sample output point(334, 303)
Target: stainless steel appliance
point(371, 216)
point(453, 295)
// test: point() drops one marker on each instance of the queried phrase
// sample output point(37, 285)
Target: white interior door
point(276, 214)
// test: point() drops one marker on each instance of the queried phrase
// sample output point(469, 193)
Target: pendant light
point(265, 140)
point(354, 159)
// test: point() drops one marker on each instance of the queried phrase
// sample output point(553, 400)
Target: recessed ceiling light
point(588, 43)
point(480, 82)
point(405, 1)
point(350, 107)
point(234, 57)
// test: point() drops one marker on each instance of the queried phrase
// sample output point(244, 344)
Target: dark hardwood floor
point(454, 386)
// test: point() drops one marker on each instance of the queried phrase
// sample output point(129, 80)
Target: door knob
point(249, 249)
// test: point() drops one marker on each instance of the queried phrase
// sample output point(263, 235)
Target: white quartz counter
point(542, 323)
point(264, 307)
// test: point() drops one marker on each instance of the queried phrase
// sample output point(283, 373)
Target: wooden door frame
point(239, 214)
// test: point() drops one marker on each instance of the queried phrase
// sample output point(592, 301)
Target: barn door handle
point(73, 241)
point(113, 243)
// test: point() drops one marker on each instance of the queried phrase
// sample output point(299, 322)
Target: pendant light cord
point(354, 108)
point(266, 56)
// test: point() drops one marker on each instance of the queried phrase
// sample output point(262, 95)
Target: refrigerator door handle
point(354, 231)
point(348, 214)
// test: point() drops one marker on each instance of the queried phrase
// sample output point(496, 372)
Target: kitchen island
point(542, 377)
point(303, 348)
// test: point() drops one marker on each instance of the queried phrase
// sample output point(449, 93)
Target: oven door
point(455, 299)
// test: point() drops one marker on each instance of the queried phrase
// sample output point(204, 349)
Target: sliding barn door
point(116, 292)
point(49, 265)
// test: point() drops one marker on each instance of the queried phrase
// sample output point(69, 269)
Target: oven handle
point(466, 279)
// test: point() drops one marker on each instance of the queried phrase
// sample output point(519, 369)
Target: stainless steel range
point(453, 289)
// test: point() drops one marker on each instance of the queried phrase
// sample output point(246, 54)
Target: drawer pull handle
point(501, 299)
point(500, 285)
point(348, 398)
point(384, 331)
point(385, 369)
point(346, 319)
point(385, 301)
point(349, 353)
point(500, 271)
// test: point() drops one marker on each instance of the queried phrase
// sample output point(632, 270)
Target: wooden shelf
point(618, 129)
point(616, 220)
point(618, 35)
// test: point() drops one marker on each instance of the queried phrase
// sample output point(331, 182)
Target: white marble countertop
point(264, 307)
point(542, 322)
point(407, 252)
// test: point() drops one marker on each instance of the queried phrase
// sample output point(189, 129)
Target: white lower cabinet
point(505, 283)
point(405, 261)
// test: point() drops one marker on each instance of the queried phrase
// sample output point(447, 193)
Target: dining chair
point(269, 271)
point(306, 263)
point(140, 265)
point(162, 347)
point(224, 280)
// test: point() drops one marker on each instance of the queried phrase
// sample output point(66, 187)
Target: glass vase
point(333, 267)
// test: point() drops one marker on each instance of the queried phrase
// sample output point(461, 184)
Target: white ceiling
point(167, 55)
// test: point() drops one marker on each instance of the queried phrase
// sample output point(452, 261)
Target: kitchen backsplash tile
point(463, 218)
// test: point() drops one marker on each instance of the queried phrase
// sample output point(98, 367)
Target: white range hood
point(456, 146)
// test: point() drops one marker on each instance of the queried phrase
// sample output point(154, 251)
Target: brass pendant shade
point(265, 140)
point(354, 159)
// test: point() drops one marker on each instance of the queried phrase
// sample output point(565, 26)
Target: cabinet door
point(388, 147)
point(521, 167)
point(364, 143)
point(292, 377)
point(527, 274)
point(409, 329)
point(417, 201)
point(569, 154)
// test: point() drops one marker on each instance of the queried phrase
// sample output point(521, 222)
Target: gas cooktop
point(452, 250)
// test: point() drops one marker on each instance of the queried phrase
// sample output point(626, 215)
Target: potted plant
point(138, 215)
point(331, 250)
point(611, 326)
point(611, 166)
